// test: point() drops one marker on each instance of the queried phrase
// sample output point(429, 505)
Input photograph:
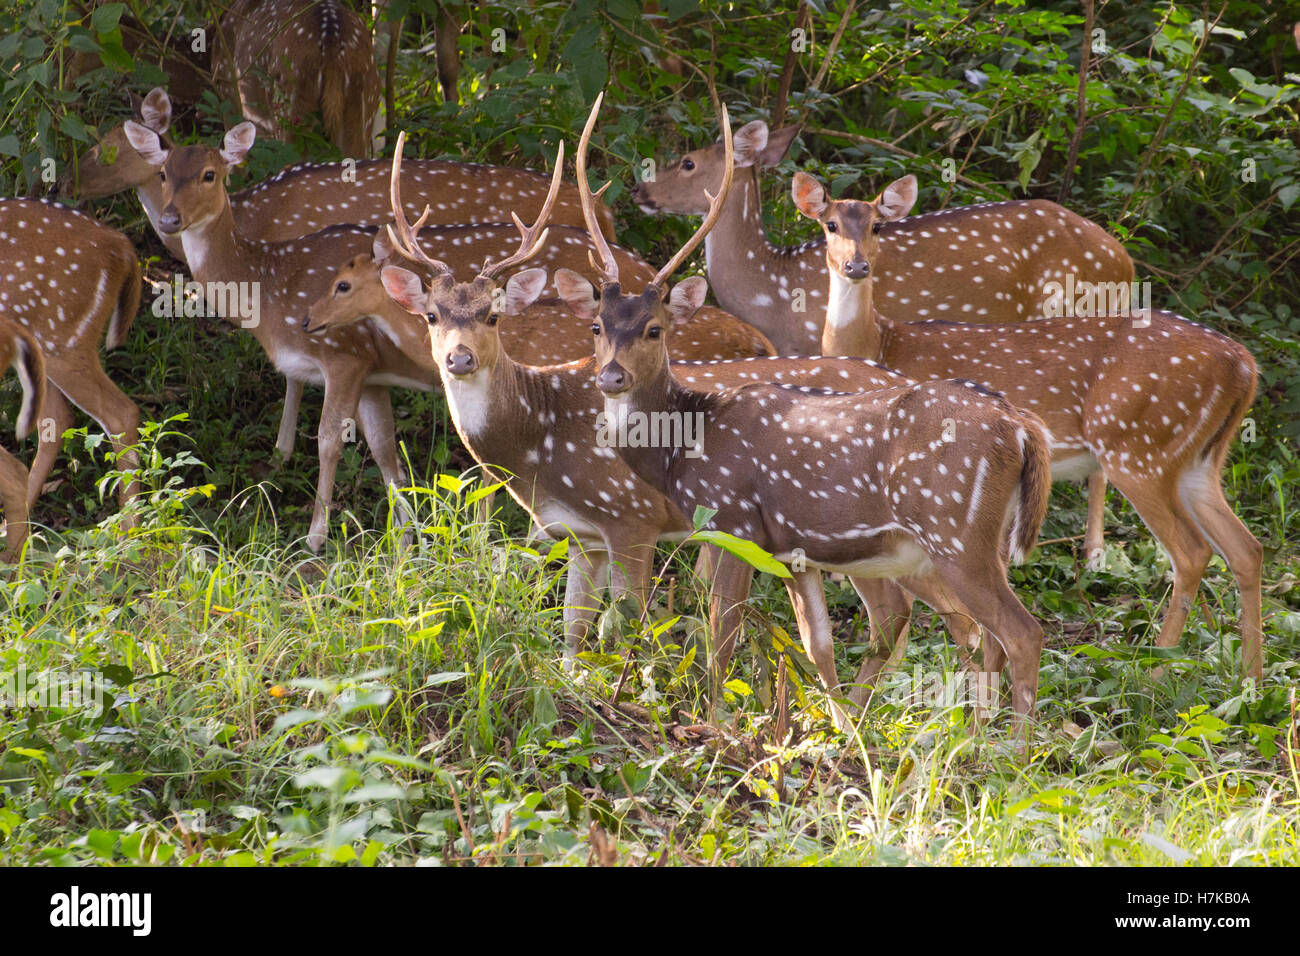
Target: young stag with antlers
point(71, 282)
point(1150, 399)
point(993, 262)
point(309, 197)
point(19, 351)
point(865, 483)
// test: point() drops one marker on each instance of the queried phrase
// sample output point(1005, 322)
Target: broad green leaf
point(747, 551)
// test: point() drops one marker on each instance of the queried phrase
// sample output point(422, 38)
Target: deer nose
point(170, 221)
point(461, 361)
point(612, 379)
point(857, 269)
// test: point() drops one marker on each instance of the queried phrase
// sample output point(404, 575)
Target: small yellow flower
point(277, 691)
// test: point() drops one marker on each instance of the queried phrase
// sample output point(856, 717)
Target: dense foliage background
point(1184, 143)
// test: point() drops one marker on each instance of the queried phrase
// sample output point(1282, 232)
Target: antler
point(609, 265)
point(531, 237)
point(715, 208)
point(405, 239)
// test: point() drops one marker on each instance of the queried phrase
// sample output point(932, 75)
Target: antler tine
point(715, 207)
point(609, 265)
point(531, 237)
point(405, 238)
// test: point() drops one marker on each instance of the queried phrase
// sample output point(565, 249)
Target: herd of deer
point(918, 464)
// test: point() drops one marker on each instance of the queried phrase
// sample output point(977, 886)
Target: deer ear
point(238, 142)
point(809, 196)
point(523, 289)
point(577, 293)
point(155, 110)
point(748, 143)
point(405, 288)
point(897, 199)
point(146, 143)
point(778, 144)
point(686, 299)
point(381, 249)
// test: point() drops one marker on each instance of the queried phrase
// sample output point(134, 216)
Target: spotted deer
point(311, 196)
point(356, 364)
point(1149, 399)
point(986, 263)
point(281, 60)
point(535, 425)
point(861, 482)
point(19, 351)
point(71, 283)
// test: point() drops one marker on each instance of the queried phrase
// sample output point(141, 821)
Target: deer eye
point(595, 328)
point(688, 164)
point(343, 287)
point(492, 318)
point(831, 227)
point(431, 316)
point(654, 332)
point(875, 228)
point(162, 176)
point(209, 176)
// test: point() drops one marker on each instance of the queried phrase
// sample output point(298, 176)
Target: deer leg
point(289, 419)
point(631, 569)
point(1094, 544)
point(1161, 510)
point(983, 590)
point(376, 414)
point(889, 610)
point(1245, 557)
point(809, 600)
point(964, 629)
point(732, 579)
point(91, 390)
point(342, 393)
point(584, 581)
point(13, 492)
point(55, 418)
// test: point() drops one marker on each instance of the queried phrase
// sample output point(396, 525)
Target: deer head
point(463, 316)
point(629, 328)
point(852, 228)
point(193, 177)
point(113, 164)
point(685, 186)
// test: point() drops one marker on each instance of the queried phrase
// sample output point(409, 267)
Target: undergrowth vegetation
point(400, 698)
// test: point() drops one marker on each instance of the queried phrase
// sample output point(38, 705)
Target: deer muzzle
point(461, 361)
point(170, 221)
point(613, 379)
point(856, 270)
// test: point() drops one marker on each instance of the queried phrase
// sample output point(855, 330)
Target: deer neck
point(853, 328)
point(215, 253)
point(502, 413)
point(658, 394)
point(407, 332)
point(757, 281)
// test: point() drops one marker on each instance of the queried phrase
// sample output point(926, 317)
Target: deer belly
point(887, 554)
point(1072, 464)
point(559, 520)
point(401, 381)
point(299, 368)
